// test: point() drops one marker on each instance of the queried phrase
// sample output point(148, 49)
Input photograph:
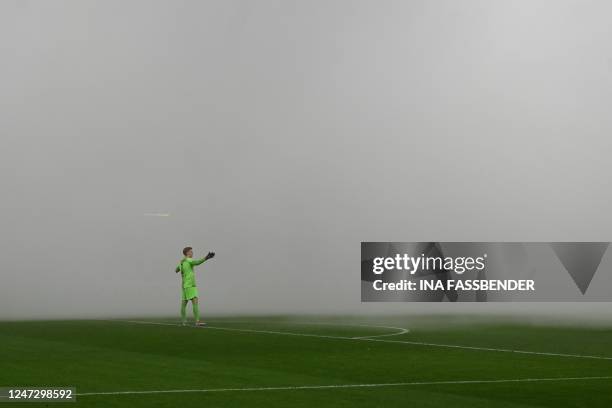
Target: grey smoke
point(281, 134)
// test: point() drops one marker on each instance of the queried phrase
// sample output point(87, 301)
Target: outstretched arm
point(198, 261)
point(201, 261)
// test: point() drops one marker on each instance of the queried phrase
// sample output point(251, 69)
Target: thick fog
point(281, 134)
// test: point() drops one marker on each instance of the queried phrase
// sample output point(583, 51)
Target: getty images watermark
point(457, 265)
point(481, 271)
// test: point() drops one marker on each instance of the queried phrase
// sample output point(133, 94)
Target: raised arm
point(201, 261)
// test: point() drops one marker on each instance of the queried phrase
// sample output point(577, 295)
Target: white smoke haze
point(280, 134)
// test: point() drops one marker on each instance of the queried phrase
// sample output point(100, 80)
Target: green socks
point(183, 312)
point(196, 311)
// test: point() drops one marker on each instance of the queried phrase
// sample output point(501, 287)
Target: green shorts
point(190, 293)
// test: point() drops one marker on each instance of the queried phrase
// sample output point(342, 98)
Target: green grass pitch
point(311, 362)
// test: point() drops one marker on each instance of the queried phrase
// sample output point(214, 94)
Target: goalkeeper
point(189, 289)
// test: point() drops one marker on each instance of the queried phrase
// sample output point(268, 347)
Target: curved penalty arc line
point(413, 343)
point(396, 330)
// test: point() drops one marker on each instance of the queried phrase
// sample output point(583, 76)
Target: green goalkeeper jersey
point(186, 269)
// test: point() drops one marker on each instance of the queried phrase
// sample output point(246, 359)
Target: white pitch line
point(321, 387)
point(414, 343)
point(237, 329)
point(400, 330)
